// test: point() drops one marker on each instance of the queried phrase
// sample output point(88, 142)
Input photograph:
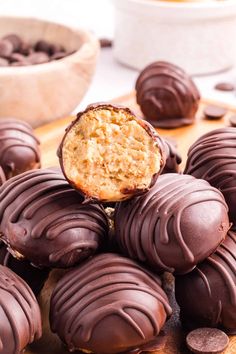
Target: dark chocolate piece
point(16, 57)
point(19, 147)
point(57, 48)
point(43, 220)
point(20, 319)
point(213, 158)
point(207, 295)
point(207, 341)
point(109, 154)
point(106, 42)
point(34, 277)
point(167, 96)
point(174, 226)
point(214, 112)
point(6, 48)
point(232, 120)
point(225, 86)
point(110, 304)
point(43, 46)
point(173, 158)
point(15, 40)
point(38, 58)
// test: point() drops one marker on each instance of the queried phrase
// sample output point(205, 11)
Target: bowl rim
point(210, 4)
point(89, 38)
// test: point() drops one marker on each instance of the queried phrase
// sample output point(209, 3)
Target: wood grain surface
point(50, 136)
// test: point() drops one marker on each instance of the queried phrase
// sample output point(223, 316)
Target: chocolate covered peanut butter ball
point(174, 226)
point(110, 304)
point(109, 154)
point(207, 295)
point(167, 95)
point(20, 319)
point(213, 158)
point(19, 147)
point(44, 221)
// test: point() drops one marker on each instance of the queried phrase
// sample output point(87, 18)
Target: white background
point(111, 78)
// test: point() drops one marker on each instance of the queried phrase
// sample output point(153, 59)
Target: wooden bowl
point(44, 92)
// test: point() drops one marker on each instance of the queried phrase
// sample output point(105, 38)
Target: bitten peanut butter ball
point(109, 154)
point(20, 319)
point(110, 304)
point(175, 225)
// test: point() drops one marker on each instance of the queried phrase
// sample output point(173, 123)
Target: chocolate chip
point(16, 57)
point(42, 46)
point(214, 112)
point(38, 58)
point(4, 62)
point(15, 40)
point(105, 42)
point(225, 86)
point(26, 49)
point(56, 48)
point(6, 48)
point(232, 120)
point(207, 341)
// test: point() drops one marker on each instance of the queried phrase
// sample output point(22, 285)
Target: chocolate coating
point(43, 220)
point(110, 304)
point(34, 277)
point(212, 157)
point(19, 147)
point(173, 158)
point(167, 96)
point(207, 295)
point(2, 176)
point(20, 319)
point(174, 226)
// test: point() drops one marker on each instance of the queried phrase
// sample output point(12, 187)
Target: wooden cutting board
point(50, 136)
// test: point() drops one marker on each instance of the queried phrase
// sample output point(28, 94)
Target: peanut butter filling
point(108, 154)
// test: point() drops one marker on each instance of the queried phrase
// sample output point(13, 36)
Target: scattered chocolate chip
point(38, 58)
point(225, 86)
point(4, 62)
point(6, 48)
point(232, 120)
point(207, 341)
point(15, 40)
point(105, 42)
point(214, 112)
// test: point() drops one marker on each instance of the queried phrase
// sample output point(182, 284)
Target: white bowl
point(44, 92)
point(198, 36)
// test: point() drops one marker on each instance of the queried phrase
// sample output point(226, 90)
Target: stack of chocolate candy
point(111, 300)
